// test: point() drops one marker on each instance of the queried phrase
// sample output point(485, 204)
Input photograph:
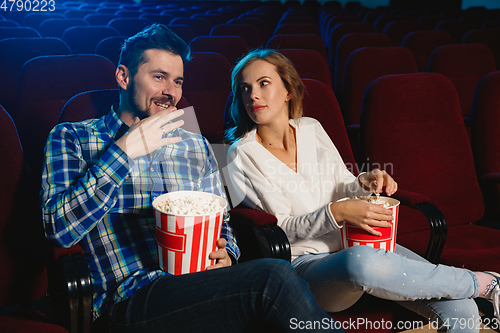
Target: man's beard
point(136, 109)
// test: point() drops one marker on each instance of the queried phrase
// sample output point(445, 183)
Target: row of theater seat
point(412, 125)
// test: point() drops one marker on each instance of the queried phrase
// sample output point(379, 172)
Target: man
point(99, 180)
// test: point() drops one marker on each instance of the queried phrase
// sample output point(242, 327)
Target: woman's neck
point(277, 136)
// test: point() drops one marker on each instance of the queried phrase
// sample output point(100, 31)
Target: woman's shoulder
point(307, 123)
point(241, 143)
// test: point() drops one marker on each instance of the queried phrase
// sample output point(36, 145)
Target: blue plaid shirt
point(93, 194)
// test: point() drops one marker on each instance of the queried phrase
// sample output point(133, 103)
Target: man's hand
point(220, 255)
point(147, 135)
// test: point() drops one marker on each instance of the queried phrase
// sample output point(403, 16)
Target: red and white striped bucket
point(185, 241)
point(353, 235)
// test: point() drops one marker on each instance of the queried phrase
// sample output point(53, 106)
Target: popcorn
point(189, 206)
point(374, 199)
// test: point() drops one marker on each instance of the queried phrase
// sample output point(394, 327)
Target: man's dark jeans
point(265, 292)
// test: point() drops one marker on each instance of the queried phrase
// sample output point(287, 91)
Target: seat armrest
point(70, 288)
point(409, 198)
point(258, 235)
point(437, 222)
point(69, 251)
point(252, 217)
point(492, 178)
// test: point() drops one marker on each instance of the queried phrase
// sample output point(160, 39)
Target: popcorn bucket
point(185, 241)
point(353, 235)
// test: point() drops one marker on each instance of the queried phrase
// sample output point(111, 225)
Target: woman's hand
point(376, 180)
point(363, 214)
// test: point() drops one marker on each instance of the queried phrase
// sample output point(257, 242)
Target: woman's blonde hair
point(239, 123)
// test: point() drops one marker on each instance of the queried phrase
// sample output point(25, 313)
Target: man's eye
point(158, 77)
point(179, 83)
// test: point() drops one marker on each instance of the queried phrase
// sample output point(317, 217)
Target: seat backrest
point(231, 47)
point(259, 23)
point(247, 31)
point(486, 124)
point(206, 87)
point(99, 19)
point(298, 41)
point(158, 18)
point(464, 65)
point(412, 126)
point(83, 40)
point(14, 52)
point(309, 64)
point(56, 27)
point(9, 23)
point(382, 20)
point(456, 28)
point(200, 25)
point(129, 26)
point(18, 32)
point(183, 31)
point(365, 65)
point(335, 20)
point(397, 30)
point(489, 37)
point(23, 276)
point(299, 28)
point(78, 13)
point(350, 43)
point(339, 31)
point(110, 48)
point(423, 43)
point(320, 103)
point(45, 84)
point(88, 105)
point(34, 19)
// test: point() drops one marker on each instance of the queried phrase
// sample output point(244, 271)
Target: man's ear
point(122, 76)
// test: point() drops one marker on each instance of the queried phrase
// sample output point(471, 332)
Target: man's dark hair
point(155, 36)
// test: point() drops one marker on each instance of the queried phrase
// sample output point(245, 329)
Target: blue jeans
point(440, 293)
point(230, 299)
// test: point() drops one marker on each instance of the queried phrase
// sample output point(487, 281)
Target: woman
point(286, 165)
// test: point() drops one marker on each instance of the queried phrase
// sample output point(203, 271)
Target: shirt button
point(152, 169)
point(105, 208)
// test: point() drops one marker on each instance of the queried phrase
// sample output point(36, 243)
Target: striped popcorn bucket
point(353, 235)
point(185, 241)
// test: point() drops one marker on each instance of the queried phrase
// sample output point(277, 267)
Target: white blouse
point(300, 200)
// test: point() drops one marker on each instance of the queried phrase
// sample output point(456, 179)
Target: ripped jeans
point(440, 293)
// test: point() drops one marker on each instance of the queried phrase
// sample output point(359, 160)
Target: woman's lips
point(258, 107)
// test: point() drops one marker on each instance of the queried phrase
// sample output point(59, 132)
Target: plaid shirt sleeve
point(75, 196)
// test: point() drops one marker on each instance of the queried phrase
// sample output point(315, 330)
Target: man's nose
point(169, 89)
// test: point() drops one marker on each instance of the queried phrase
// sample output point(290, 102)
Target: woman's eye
point(264, 83)
point(244, 89)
